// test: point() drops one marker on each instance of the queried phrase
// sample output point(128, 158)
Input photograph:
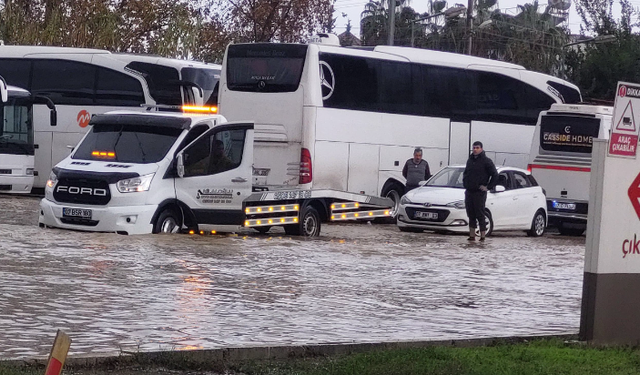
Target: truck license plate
point(426, 215)
point(564, 206)
point(76, 212)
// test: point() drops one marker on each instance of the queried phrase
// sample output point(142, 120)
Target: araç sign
point(624, 134)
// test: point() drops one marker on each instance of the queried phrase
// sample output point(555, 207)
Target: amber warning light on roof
point(199, 109)
point(104, 154)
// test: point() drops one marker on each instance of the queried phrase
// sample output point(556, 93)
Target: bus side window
point(64, 82)
point(16, 72)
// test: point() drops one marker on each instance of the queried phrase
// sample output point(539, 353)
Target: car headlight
point(405, 200)
point(457, 204)
point(132, 185)
point(52, 180)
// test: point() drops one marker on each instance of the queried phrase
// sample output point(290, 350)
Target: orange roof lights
point(199, 109)
point(104, 154)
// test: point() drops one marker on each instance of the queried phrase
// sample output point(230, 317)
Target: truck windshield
point(16, 130)
point(573, 134)
point(127, 143)
point(265, 67)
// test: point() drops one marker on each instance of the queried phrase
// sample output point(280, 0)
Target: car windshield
point(127, 143)
point(447, 177)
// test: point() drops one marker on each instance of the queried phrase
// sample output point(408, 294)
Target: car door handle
point(239, 179)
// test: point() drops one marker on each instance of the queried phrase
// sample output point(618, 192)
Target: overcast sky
point(353, 8)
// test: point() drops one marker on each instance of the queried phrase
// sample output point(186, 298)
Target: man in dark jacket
point(416, 170)
point(480, 176)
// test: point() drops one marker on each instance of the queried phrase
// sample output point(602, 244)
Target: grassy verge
point(537, 357)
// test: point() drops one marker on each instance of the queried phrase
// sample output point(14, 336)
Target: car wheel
point(410, 230)
point(538, 225)
point(569, 231)
point(308, 225)
point(393, 191)
point(489, 222)
point(169, 221)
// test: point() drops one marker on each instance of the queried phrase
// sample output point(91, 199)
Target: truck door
point(216, 174)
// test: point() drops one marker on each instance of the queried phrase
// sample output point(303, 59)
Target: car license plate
point(426, 215)
point(76, 212)
point(564, 206)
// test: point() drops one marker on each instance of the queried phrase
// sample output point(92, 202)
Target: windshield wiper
point(144, 156)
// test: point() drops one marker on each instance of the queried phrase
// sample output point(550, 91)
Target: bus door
point(459, 142)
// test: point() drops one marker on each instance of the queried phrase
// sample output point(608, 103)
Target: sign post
point(610, 298)
point(58, 355)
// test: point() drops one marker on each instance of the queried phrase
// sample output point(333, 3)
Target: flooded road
point(356, 283)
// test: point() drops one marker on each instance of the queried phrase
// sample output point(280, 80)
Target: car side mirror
point(498, 189)
point(180, 164)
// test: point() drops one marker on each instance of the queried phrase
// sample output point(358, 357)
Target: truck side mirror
point(180, 164)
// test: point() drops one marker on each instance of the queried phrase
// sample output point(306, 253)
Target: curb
point(260, 353)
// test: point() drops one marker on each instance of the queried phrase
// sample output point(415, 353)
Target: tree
point(597, 67)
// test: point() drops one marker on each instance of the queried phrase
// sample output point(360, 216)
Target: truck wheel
point(393, 191)
point(308, 225)
point(262, 230)
point(538, 225)
point(569, 231)
point(168, 222)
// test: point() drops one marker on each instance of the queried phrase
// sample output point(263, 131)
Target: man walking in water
point(480, 175)
point(416, 170)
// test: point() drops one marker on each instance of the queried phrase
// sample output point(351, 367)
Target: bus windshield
point(568, 133)
point(127, 143)
point(16, 130)
point(207, 79)
point(265, 67)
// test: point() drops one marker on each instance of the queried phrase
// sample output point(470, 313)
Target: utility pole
point(470, 25)
point(392, 20)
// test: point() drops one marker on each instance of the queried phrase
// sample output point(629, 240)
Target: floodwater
point(356, 283)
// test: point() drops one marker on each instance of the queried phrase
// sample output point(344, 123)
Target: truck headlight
point(405, 200)
point(457, 204)
point(132, 185)
point(52, 180)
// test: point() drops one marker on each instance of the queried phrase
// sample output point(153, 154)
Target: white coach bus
point(348, 119)
point(83, 82)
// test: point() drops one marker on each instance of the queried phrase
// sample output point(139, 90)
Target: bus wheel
point(308, 226)
point(168, 222)
point(393, 191)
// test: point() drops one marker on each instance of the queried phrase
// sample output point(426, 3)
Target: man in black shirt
point(480, 175)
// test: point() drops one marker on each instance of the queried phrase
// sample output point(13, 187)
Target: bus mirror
point(53, 117)
point(180, 165)
point(189, 84)
point(4, 91)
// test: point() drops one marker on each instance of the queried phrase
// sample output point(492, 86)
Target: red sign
point(623, 144)
point(634, 195)
point(83, 118)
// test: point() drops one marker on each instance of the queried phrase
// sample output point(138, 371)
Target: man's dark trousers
point(474, 202)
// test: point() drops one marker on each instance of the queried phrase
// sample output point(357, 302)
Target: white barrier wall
point(611, 287)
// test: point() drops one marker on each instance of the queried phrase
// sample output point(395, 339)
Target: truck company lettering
point(215, 195)
point(630, 246)
point(567, 139)
point(81, 190)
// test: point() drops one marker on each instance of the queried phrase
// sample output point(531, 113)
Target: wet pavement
point(356, 283)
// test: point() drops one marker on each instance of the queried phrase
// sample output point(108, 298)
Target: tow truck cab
point(136, 173)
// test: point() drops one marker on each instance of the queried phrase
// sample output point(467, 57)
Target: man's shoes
point(471, 238)
point(482, 239)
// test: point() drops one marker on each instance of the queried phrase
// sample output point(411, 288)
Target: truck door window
point(219, 152)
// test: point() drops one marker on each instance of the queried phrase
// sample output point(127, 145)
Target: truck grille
point(5, 171)
point(5, 187)
point(82, 191)
point(442, 214)
point(74, 221)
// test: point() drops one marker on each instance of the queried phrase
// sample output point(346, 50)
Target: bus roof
point(165, 61)
point(21, 51)
point(420, 55)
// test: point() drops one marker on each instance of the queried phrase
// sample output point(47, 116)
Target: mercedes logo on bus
point(262, 85)
point(327, 80)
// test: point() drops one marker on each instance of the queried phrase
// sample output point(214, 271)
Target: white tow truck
point(158, 172)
